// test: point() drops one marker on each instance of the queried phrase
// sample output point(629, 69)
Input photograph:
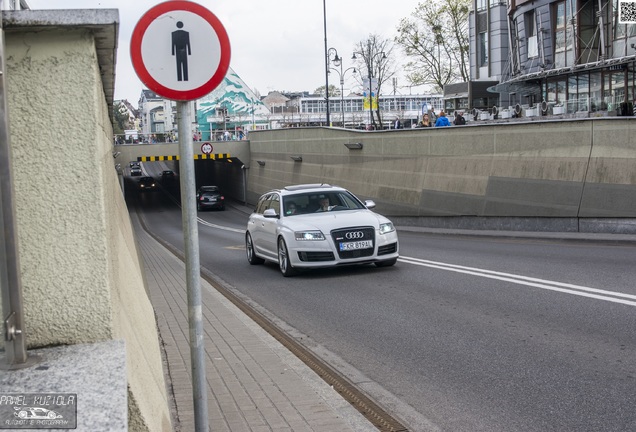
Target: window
point(530, 24)
point(483, 49)
point(619, 89)
point(595, 91)
point(481, 5)
point(262, 204)
point(563, 33)
point(551, 92)
point(583, 93)
point(274, 203)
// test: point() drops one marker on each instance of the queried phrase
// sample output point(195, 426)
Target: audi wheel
point(283, 259)
point(249, 249)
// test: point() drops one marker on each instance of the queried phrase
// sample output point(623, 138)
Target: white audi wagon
point(318, 225)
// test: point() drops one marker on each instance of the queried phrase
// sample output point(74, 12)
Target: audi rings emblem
point(353, 235)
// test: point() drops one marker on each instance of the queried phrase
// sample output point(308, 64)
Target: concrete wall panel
point(551, 169)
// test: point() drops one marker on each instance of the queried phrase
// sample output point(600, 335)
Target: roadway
point(463, 334)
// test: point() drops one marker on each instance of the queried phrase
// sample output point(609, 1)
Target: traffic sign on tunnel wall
point(180, 50)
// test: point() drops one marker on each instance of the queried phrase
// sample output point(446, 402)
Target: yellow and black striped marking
point(212, 156)
point(176, 158)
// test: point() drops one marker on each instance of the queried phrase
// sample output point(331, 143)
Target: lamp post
point(342, 74)
point(324, 15)
point(332, 57)
point(369, 61)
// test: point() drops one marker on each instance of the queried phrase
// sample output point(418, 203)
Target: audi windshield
point(304, 203)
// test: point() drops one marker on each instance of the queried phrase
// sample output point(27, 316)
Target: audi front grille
point(353, 235)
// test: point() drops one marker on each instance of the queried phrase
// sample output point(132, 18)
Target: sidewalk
point(254, 383)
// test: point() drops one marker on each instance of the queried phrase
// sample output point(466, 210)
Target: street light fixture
point(342, 74)
point(370, 72)
point(337, 61)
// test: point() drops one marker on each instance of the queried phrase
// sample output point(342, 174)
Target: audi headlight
point(386, 228)
point(309, 235)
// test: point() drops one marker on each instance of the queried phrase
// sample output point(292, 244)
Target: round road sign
point(206, 148)
point(180, 50)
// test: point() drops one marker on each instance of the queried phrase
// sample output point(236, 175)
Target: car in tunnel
point(146, 184)
point(318, 225)
point(167, 177)
point(209, 198)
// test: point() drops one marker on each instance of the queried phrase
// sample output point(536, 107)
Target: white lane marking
point(203, 222)
point(224, 228)
point(579, 290)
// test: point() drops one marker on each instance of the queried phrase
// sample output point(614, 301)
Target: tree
point(333, 90)
point(375, 56)
point(121, 117)
point(436, 41)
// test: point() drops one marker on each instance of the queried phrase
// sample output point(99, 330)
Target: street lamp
point(342, 74)
point(337, 61)
point(324, 17)
point(370, 72)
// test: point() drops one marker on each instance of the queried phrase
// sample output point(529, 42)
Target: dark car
point(167, 176)
point(135, 171)
point(146, 183)
point(210, 197)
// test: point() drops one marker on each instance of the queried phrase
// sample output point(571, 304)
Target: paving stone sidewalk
point(254, 383)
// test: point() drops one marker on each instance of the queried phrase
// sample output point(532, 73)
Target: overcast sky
point(276, 44)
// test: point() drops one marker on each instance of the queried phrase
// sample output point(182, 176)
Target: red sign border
point(211, 148)
point(138, 63)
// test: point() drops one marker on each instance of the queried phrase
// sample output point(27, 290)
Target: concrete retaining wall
point(80, 269)
point(521, 175)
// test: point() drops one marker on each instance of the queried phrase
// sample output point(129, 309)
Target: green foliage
point(120, 115)
point(333, 90)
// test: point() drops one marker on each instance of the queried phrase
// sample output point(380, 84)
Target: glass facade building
point(565, 56)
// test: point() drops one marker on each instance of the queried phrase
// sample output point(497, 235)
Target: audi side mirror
point(270, 213)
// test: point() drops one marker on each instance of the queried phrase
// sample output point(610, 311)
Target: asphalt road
point(464, 333)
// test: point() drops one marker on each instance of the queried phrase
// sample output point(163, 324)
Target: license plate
point(364, 244)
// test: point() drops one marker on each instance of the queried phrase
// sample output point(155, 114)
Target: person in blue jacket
point(442, 120)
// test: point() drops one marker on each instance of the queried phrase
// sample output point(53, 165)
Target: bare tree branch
point(436, 41)
point(375, 56)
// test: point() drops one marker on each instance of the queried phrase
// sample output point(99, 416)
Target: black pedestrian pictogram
point(181, 48)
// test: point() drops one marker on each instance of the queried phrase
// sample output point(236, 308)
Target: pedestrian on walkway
point(425, 122)
point(442, 120)
point(459, 119)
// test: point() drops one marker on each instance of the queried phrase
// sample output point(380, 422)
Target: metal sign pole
point(193, 272)
point(188, 40)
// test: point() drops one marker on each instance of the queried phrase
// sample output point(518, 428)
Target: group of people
point(441, 120)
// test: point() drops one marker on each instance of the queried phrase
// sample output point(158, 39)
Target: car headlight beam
point(386, 228)
point(309, 235)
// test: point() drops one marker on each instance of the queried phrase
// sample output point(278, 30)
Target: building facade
point(238, 113)
point(570, 57)
point(350, 112)
point(157, 115)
